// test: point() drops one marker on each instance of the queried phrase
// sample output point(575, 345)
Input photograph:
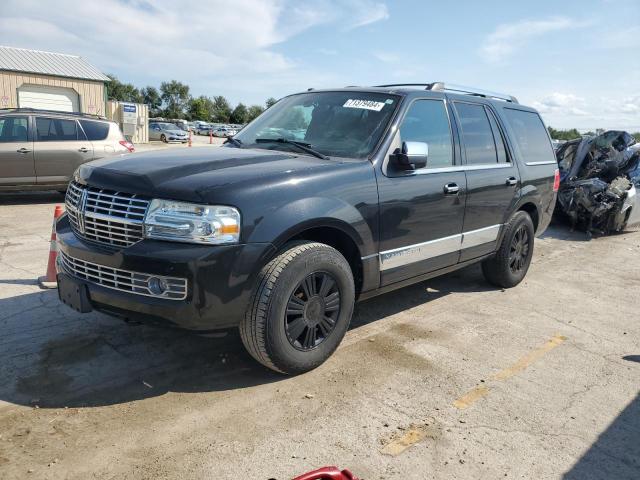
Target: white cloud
point(213, 46)
point(387, 57)
point(565, 104)
point(506, 39)
point(631, 105)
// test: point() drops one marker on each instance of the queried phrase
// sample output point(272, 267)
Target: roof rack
point(442, 87)
point(57, 112)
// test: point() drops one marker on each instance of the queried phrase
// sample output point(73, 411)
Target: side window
point(13, 129)
point(531, 137)
point(95, 130)
point(503, 157)
point(427, 121)
point(476, 134)
point(56, 130)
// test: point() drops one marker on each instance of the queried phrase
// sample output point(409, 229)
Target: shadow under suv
point(328, 197)
point(40, 149)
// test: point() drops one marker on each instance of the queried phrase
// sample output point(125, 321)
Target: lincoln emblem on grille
point(82, 207)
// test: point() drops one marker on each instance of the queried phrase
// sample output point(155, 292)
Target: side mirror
point(412, 155)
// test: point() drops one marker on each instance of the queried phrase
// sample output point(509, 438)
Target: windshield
point(342, 124)
point(168, 126)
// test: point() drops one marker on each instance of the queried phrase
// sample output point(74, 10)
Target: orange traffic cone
point(49, 280)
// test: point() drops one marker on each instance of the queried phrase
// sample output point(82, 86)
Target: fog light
point(157, 286)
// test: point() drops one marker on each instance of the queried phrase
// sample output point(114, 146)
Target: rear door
point(422, 211)
point(492, 178)
point(60, 147)
point(16, 151)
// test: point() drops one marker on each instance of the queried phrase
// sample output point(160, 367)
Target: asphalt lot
point(450, 378)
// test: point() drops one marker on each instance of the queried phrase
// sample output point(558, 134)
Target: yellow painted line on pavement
point(411, 437)
point(477, 393)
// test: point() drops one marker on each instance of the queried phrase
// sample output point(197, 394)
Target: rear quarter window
point(531, 137)
point(95, 130)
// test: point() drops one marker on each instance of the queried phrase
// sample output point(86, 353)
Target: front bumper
point(219, 279)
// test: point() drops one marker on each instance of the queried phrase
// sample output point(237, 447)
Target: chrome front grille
point(124, 280)
point(106, 216)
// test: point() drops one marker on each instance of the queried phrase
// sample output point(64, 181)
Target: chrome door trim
point(399, 257)
point(460, 168)
point(545, 162)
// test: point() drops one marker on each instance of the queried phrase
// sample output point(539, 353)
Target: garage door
point(48, 98)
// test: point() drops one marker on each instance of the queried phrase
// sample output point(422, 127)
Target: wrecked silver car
point(599, 182)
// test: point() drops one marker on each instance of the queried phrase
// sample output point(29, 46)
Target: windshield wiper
point(305, 147)
point(233, 141)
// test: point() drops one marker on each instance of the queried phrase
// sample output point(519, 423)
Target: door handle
point(512, 181)
point(83, 149)
point(451, 189)
point(23, 150)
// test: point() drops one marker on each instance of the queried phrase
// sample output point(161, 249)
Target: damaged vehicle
point(599, 178)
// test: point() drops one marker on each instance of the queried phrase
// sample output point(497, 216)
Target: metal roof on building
point(48, 63)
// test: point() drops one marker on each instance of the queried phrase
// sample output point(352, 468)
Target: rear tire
point(510, 264)
point(301, 308)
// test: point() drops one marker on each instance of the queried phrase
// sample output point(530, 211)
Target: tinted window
point(477, 134)
point(499, 139)
point(342, 124)
point(530, 136)
point(56, 129)
point(95, 130)
point(427, 121)
point(13, 129)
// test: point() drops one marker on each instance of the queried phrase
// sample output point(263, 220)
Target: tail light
point(128, 145)
point(556, 180)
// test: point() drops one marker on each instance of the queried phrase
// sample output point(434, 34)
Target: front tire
point(163, 138)
point(510, 264)
point(301, 308)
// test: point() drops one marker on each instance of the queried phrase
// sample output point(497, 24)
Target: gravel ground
point(449, 378)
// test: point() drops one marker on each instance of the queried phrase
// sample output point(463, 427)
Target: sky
point(575, 61)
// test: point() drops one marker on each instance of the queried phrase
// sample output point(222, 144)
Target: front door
point(16, 151)
point(60, 148)
point(492, 178)
point(422, 211)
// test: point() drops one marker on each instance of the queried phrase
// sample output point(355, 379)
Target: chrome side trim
point(368, 257)
point(546, 162)
point(462, 168)
point(480, 236)
point(399, 257)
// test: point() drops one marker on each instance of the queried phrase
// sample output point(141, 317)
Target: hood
point(176, 131)
point(192, 174)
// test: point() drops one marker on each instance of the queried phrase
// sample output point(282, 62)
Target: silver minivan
point(40, 150)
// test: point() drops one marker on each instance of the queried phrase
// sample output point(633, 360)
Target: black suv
point(329, 197)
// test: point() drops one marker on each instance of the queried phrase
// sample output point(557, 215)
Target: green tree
point(636, 136)
point(201, 108)
point(151, 97)
point(253, 112)
point(175, 96)
point(564, 134)
point(221, 110)
point(270, 102)
point(123, 92)
point(239, 114)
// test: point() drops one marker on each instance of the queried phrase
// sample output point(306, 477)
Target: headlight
point(189, 222)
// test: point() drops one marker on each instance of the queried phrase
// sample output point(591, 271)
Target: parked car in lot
point(278, 237)
point(167, 132)
point(203, 129)
point(41, 149)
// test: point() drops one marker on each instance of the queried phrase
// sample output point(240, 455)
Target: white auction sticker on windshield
point(366, 104)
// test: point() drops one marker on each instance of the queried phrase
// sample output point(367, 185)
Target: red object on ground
point(556, 181)
point(328, 473)
point(49, 280)
point(128, 145)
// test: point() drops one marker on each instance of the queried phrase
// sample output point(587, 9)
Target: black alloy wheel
point(312, 311)
point(519, 250)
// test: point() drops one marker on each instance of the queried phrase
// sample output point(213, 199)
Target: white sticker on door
point(365, 104)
